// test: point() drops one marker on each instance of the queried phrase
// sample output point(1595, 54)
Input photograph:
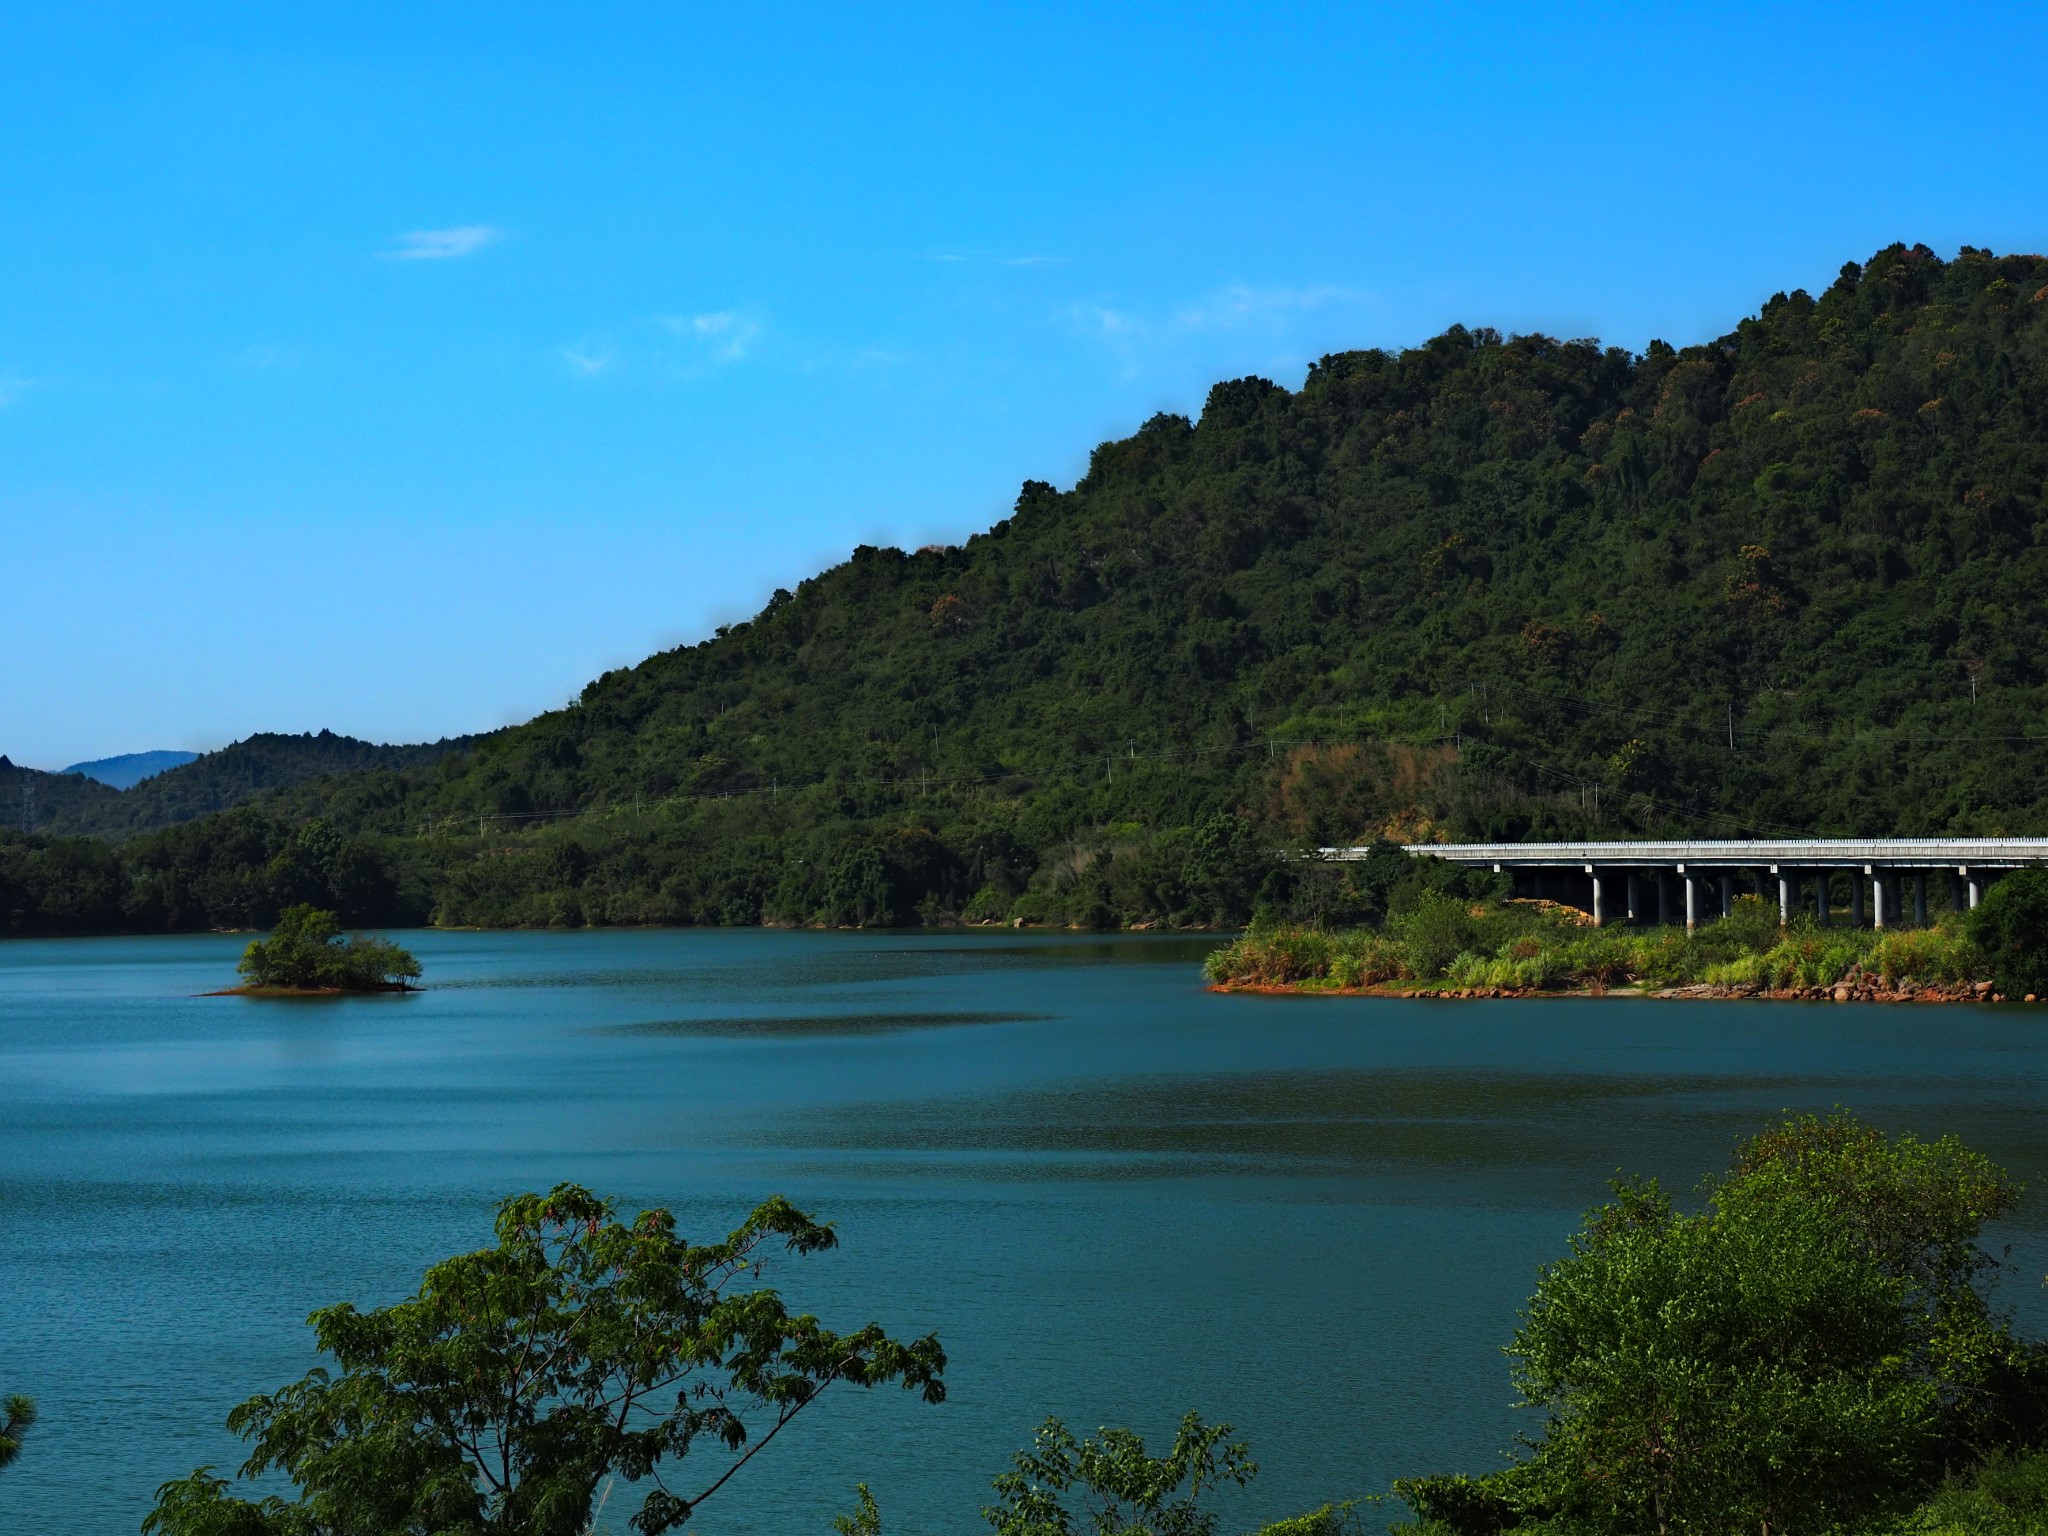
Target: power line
point(1782, 732)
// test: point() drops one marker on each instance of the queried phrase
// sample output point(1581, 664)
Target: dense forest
point(1788, 581)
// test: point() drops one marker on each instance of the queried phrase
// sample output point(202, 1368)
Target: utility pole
point(1731, 729)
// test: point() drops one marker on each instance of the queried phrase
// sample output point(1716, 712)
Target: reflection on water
point(1114, 1195)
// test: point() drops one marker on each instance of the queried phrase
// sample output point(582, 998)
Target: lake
point(1113, 1195)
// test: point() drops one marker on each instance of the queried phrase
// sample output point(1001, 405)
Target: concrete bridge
point(1644, 882)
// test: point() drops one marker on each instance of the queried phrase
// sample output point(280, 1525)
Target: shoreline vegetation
point(1448, 945)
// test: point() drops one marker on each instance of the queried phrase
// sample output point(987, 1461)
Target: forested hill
point(1818, 530)
point(1788, 580)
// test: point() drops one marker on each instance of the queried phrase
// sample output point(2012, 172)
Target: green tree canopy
point(1109, 1481)
point(1806, 1351)
point(520, 1377)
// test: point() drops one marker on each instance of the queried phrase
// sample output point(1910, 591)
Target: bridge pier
point(1920, 898)
point(1692, 899)
point(1599, 906)
point(1877, 895)
point(1823, 897)
point(1788, 896)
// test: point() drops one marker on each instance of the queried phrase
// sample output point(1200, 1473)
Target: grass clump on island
point(306, 953)
point(1444, 943)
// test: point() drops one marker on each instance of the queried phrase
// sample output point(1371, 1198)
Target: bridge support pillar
point(1788, 893)
point(1920, 898)
point(1599, 905)
point(1877, 895)
point(1823, 897)
point(1692, 900)
point(1973, 886)
point(1727, 894)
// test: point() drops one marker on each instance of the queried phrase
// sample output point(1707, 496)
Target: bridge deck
point(1957, 853)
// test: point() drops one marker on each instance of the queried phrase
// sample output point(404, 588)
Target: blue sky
point(397, 369)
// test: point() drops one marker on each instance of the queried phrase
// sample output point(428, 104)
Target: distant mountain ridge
point(73, 802)
point(128, 769)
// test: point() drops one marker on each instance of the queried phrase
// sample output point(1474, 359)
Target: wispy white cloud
point(1273, 321)
point(1240, 307)
point(1236, 307)
point(1099, 320)
point(443, 244)
point(262, 357)
point(12, 387)
point(727, 335)
point(983, 258)
point(587, 362)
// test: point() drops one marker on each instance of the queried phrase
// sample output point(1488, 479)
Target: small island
point(306, 955)
point(1445, 943)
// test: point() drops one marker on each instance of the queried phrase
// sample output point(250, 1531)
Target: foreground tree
point(305, 952)
point(1123, 1491)
point(1807, 1351)
point(579, 1350)
point(20, 1412)
point(2011, 926)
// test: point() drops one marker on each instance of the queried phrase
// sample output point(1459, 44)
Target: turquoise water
point(1113, 1195)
